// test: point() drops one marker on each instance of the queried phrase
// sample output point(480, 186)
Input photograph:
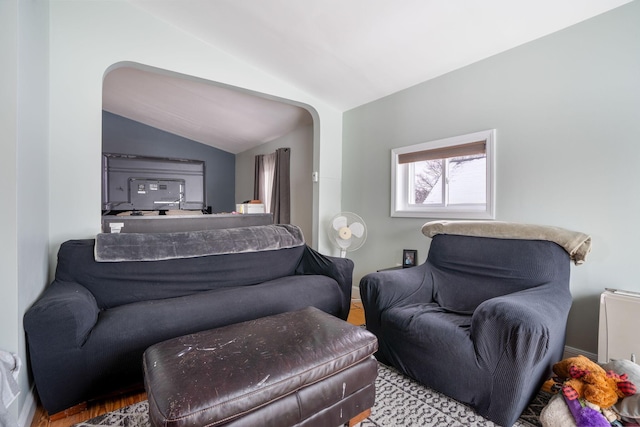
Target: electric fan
point(347, 232)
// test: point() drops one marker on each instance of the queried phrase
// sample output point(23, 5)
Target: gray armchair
point(482, 320)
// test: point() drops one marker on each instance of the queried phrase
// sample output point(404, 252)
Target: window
point(448, 178)
point(267, 170)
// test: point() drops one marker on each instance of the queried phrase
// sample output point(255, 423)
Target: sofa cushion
point(114, 284)
point(629, 406)
point(138, 325)
point(465, 275)
point(436, 333)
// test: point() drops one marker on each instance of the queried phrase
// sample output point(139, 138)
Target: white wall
point(23, 175)
point(8, 175)
point(86, 39)
point(300, 141)
point(567, 112)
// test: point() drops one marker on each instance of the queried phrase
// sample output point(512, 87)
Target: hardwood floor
point(94, 409)
point(356, 313)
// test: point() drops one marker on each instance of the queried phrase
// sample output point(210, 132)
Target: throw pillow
point(628, 407)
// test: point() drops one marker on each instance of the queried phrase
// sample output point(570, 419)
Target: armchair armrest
point(525, 327)
point(386, 289)
point(339, 269)
point(518, 337)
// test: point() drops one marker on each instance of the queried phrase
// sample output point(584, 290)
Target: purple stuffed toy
point(585, 416)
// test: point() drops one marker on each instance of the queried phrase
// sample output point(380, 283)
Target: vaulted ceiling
point(343, 52)
point(226, 118)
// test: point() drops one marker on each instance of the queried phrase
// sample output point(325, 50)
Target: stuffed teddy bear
point(586, 379)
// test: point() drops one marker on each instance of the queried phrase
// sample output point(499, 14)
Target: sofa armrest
point(62, 316)
point(57, 326)
point(339, 269)
point(386, 289)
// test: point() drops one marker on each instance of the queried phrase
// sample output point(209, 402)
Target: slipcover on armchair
point(482, 320)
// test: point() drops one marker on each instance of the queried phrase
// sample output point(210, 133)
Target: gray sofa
point(482, 320)
point(88, 330)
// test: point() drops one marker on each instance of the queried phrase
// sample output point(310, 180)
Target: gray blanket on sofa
point(118, 247)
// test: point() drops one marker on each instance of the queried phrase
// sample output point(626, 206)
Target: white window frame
point(400, 206)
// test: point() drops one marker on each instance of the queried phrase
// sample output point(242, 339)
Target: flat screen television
point(141, 183)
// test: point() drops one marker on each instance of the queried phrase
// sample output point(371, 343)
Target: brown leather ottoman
point(303, 368)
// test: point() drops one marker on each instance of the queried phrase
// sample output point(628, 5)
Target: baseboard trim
point(573, 352)
point(28, 409)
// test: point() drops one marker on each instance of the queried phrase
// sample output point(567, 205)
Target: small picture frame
point(409, 258)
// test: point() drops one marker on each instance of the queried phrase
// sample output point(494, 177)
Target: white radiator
point(619, 334)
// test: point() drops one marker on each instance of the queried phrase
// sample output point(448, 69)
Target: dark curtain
point(257, 177)
point(281, 197)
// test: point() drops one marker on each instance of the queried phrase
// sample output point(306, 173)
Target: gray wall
point(300, 141)
point(125, 136)
point(567, 112)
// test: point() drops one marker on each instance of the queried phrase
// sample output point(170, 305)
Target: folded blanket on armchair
point(577, 244)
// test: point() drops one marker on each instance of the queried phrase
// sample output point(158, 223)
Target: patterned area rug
point(400, 401)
